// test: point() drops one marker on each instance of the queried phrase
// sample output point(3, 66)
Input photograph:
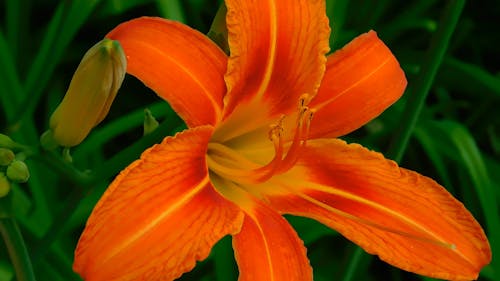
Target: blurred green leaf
point(469, 78)
point(470, 156)
point(310, 230)
point(225, 265)
point(171, 9)
point(116, 7)
point(66, 21)
point(432, 149)
point(10, 86)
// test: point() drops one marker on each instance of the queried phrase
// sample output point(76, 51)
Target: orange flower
point(244, 159)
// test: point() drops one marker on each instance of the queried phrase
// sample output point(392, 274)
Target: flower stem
point(17, 249)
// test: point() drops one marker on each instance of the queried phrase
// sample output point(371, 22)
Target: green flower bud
point(150, 123)
point(6, 156)
point(4, 185)
point(90, 94)
point(66, 155)
point(47, 140)
point(18, 172)
point(7, 142)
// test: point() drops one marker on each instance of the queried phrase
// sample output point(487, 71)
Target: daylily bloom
point(261, 142)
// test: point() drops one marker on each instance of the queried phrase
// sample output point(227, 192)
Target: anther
point(276, 129)
point(311, 113)
point(304, 100)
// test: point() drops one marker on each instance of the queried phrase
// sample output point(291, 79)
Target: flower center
point(228, 162)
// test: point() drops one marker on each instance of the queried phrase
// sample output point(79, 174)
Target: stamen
point(304, 100)
point(308, 126)
point(231, 165)
point(250, 176)
point(299, 140)
point(277, 128)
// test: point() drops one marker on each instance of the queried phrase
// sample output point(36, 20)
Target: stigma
point(229, 163)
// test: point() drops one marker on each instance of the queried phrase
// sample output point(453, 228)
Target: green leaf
point(471, 157)
point(17, 249)
point(171, 9)
point(465, 77)
point(117, 7)
point(310, 230)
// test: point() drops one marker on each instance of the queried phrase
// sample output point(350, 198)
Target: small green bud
point(6, 156)
point(66, 155)
point(18, 172)
point(90, 94)
point(150, 123)
point(7, 142)
point(4, 185)
point(47, 140)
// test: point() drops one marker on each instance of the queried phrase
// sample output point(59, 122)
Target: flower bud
point(150, 123)
point(18, 172)
point(7, 142)
point(90, 94)
point(6, 156)
point(4, 185)
point(47, 140)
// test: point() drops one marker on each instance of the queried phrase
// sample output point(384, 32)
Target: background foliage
point(446, 126)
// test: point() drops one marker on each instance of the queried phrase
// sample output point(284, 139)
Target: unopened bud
point(7, 142)
point(4, 185)
point(6, 156)
point(18, 172)
point(66, 155)
point(47, 140)
point(150, 123)
point(90, 94)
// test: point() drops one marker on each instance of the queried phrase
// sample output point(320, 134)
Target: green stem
point(17, 249)
point(418, 92)
point(62, 167)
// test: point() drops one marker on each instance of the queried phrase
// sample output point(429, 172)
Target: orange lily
point(261, 142)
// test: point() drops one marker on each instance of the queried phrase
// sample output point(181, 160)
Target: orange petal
point(179, 63)
point(278, 52)
point(158, 217)
point(361, 81)
point(268, 248)
point(408, 220)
